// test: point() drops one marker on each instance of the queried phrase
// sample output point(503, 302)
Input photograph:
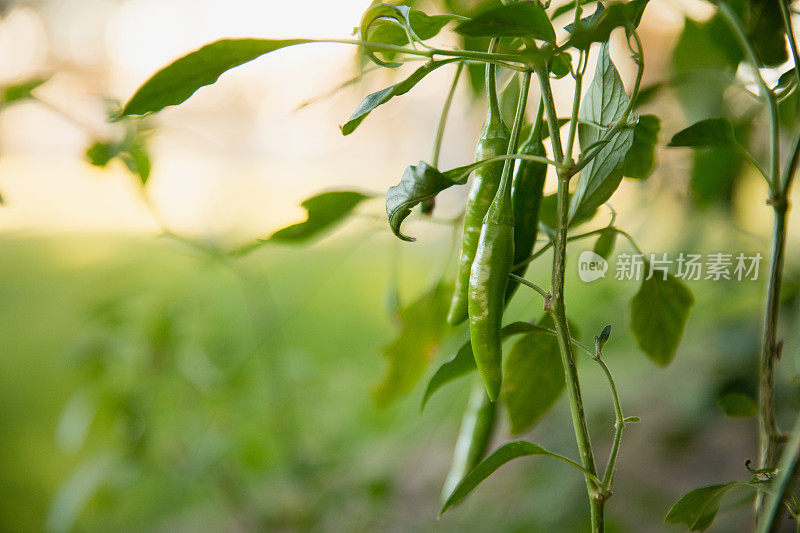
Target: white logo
point(591, 266)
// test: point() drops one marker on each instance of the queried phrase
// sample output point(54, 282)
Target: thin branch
point(519, 279)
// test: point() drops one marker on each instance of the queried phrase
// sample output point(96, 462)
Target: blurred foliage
point(158, 388)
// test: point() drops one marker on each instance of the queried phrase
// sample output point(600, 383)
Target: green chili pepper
point(493, 142)
point(488, 278)
point(526, 195)
point(474, 437)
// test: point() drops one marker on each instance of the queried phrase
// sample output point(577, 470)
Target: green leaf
point(632, 419)
point(708, 132)
point(604, 103)
point(738, 404)
point(137, 160)
point(20, 91)
point(522, 19)
point(561, 65)
point(598, 26)
point(131, 150)
point(424, 26)
point(569, 7)
point(509, 97)
point(501, 456)
point(391, 24)
point(640, 161)
point(384, 95)
point(701, 79)
point(605, 242)
point(533, 378)
point(765, 30)
point(549, 208)
point(698, 508)
point(100, 153)
point(463, 363)
point(601, 340)
point(658, 315)
point(419, 183)
point(648, 94)
point(179, 80)
point(324, 211)
point(422, 327)
point(476, 72)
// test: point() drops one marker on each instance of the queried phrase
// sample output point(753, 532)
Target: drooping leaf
point(658, 315)
point(521, 19)
point(604, 104)
point(738, 404)
point(598, 26)
point(501, 456)
point(533, 378)
point(384, 95)
point(708, 132)
point(422, 328)
point(463, 363)
point(419, 183)
point(698, 507)
point(20, 91)
point(605, 242)
point(640, 160)
point(324, 211)
point(179, 80)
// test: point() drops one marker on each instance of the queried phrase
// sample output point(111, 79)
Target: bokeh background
point(151, 382)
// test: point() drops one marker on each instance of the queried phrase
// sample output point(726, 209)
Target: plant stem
point(532, 285)
point(769, 97)
point(487, 57)
point(770, 520)
point(769, 433)
point(619, 425)
point(576, 102)
point(437, 145)
point(558, 309)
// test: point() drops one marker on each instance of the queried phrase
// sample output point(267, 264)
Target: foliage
point(520, 39)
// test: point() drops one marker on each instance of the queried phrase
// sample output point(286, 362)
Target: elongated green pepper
point(493, 142)
point(526, 195)
point(488, 278)
point(474, 437)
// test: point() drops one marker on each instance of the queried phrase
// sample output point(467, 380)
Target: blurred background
point(152, 382)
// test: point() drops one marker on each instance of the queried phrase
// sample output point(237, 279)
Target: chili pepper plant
point(509, 221)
